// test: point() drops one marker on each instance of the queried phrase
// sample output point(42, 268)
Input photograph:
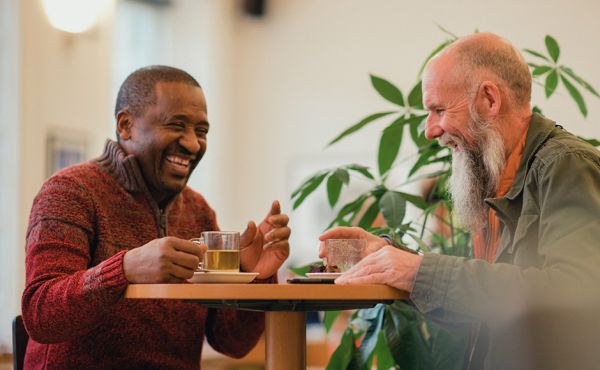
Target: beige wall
point(64, 87)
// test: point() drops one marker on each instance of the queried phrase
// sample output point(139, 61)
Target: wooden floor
point(6, 362)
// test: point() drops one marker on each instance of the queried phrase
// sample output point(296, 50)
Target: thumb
point(249, 234)
point(275, 208)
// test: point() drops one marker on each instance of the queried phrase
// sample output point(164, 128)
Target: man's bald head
point(482, 56)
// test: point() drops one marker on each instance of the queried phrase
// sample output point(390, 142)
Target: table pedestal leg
point(285, 334)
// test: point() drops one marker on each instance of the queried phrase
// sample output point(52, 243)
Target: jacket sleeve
point(563, 213)
point(65, 297)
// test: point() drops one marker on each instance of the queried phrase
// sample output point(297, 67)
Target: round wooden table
point(285, 307)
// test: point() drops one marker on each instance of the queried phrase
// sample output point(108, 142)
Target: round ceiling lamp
point(74, 16)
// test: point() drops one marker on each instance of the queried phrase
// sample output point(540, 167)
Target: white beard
point(476, 172)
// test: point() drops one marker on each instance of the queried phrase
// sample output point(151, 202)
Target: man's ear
point(124, 124)
point(489, 99)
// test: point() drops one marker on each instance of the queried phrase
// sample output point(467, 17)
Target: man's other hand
point(389, 265)
point(374, 243)
point(164, 260)
point(263, 249)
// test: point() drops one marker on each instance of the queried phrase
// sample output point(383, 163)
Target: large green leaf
point(361, 169)
point(425, 158)
point(575, 94)
point(404, 338)
point(307, 188)
point(393, 208)
point(417, 137)
point(536, 54)
point(360, 125)
point(366, 221)
point(415, 98)
point(351, 208)
point(552, 47)
point(334, 188)
point(343, 355)
point(384, 358)
point(389, 145)
point(387, 90)
point(540, 70)
point(418, 201)
point(302, 270)
point(551, 83)
point(306, 183)
point(419, 344)
point(369, 342)
point(329, 319)
point(579, 80)
point(594, 142)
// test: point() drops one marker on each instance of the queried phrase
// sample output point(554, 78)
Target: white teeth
point(178, 160)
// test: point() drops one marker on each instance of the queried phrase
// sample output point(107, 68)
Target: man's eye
point(177, 124)
point(201, 132)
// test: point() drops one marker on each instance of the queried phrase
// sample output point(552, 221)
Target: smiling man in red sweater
point(126, 217)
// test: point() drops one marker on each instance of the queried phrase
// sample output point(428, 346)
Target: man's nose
point(432, 128)
point(190, 141)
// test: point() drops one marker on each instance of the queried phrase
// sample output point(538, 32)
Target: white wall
point(302, 77)
point(11, 255)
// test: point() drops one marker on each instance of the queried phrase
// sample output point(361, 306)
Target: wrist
point(390, 241)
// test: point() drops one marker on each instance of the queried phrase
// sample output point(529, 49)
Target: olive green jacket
point(550, 220)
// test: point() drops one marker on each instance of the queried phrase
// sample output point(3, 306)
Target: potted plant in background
point(397, 335)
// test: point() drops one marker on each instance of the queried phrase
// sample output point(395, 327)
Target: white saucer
point(323, 275)
point(212, 277)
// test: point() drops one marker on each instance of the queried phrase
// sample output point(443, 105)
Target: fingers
point(181, 273)
point(275, 208)
point(186, 260)
point(322, 250)
point(377, 278)
point(280, 233)
point(280, 219)
point(342, 232)
point(248, 235)
point(284, 245)
point(187, 246)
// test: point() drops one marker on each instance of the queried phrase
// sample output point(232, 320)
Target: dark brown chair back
point(20, 339)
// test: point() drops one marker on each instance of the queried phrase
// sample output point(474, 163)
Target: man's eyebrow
point(180, 117)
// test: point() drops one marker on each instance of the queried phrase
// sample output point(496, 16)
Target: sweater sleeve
point(234, 333)
point(65, 296)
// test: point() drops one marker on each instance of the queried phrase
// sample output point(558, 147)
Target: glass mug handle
point(201, 263)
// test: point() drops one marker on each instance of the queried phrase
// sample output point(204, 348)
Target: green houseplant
point(397, 336)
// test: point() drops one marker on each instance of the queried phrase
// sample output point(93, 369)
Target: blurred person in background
point(127, 217)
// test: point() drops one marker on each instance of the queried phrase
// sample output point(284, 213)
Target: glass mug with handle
point(223, 251)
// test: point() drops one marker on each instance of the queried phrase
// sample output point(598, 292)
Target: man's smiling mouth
point(179, 161)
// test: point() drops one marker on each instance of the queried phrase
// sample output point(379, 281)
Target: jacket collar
point(538, 132)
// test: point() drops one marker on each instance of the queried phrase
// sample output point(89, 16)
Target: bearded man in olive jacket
point(529, 192)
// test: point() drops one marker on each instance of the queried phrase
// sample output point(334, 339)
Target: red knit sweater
point(82, 222)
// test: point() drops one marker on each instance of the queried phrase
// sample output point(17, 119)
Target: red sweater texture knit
point(82, 222)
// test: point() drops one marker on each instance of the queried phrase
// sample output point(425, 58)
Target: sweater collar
point(122, 167)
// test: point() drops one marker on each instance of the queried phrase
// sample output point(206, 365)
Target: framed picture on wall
point(64, 148)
